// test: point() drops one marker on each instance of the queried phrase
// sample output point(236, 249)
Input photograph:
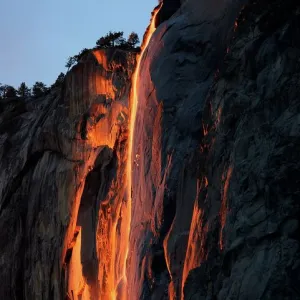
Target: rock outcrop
point(215, 165)
point(61, 160)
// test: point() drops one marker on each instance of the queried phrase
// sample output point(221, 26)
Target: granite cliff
point(61, 171)
point(213, 210)
point(215, 191)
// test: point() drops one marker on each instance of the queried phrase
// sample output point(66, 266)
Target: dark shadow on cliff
point(96, 188)
point(169, 7)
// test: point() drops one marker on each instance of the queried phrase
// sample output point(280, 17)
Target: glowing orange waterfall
point(120, 288)
point(134, 94)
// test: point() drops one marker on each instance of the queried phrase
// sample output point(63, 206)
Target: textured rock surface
point(251, 153)
point(215, 192)
point(178, 71)
point(59, 157)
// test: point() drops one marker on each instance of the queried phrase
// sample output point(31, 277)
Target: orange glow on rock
point(218, 117)
point(77, 288)
point(101, 58)
point(171, 288)
point(223, 210)
point(195, 252)
point(235, 25)
point(205, 129)
point(99, 108)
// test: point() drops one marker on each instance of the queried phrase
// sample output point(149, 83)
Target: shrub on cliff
point(7, 91)
point(39, 89)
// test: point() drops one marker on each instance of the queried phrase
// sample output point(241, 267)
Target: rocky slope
point(215, 173)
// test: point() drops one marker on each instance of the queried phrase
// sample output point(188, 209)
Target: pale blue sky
point(37, 36)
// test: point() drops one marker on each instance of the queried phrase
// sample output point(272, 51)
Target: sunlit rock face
point(61, 160)
point(215, 166)
point(214, 198)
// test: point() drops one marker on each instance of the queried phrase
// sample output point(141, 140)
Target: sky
point(37, 36)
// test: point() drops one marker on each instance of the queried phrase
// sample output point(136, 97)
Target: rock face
point(61, 159)
point(168, 8)
point(251, 153)
point(215, 174)
point(178, 71)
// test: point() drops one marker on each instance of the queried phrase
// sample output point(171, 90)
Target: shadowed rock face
point(178, 71)
point(169, 7)
point(59, 157)
point(214, 190)
point(251, 160)
point(215, 186)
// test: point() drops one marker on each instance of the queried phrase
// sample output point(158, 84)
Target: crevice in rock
point(159, 264)
point(96, 187)
point(83, 130)
point(70, 248)
point(19, 283)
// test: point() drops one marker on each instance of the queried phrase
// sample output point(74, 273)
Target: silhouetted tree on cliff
point(70, 62)
point(133, 39)
point(81, 54)
point(23, 90)
point(59, 81)
point(116, 39)
point(7, 91)
point(112, 39)
point(39, 89)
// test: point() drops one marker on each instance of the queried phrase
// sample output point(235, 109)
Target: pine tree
point(23, 90)
point(112, 39)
